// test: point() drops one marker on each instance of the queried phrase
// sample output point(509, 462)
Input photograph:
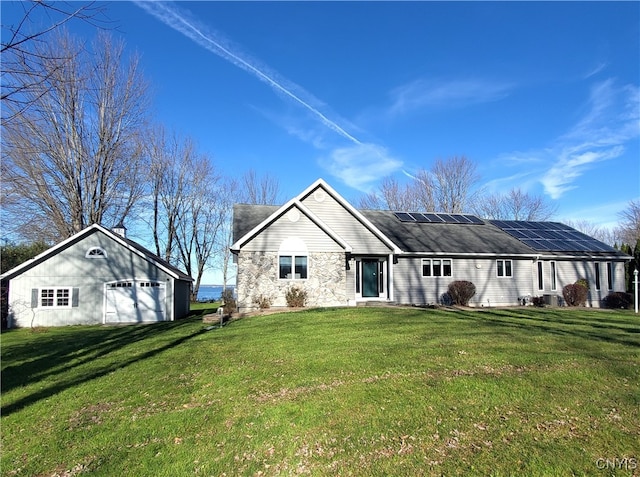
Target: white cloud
point(422, 94)
point(361, 165)
point(562, 175)
point(613, 118)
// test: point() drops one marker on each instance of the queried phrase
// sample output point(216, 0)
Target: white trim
point(77, 238)
point(55, 305)
point(504, 268)
point(101, 255)
point(338, 198)
point(280, 213)
point(297, 202)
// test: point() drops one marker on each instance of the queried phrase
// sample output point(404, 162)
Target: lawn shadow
point(61, 351)
point(558, 323)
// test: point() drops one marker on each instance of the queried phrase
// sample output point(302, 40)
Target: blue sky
point(543, 95)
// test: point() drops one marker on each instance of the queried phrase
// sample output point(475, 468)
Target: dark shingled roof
point(246, 217)
point(412, 237)
point(445, 238)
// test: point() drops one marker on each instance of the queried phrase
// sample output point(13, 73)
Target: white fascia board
point(295, 202)
point(141, 254)
point(343, 243)
point(49, 252)
point(469, 255)
point(258, 228)
point(585, 256)
point(361, 218)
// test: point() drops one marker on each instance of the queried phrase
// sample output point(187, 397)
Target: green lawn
point(358, 391)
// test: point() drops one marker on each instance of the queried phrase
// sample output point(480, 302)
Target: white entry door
point(135, 301)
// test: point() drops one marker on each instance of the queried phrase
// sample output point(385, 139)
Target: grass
point(358, 391)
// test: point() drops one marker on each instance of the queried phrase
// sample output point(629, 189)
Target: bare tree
point(395, 196)
point(226, 232)
point(74, 157)
point(170, 176)
point(264, 190)
point(453, 181)
point(593, 230)
point(447, 187)
point(19, 54)
point(629, 230)
point(198, 229)
point(514, 205)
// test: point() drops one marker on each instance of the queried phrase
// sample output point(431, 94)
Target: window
point(436, 267)
point(504, 268)
point(96, 252)
point(55, 297)
point(540, 277)
point(293, 267)
point(609, 276)
point(597, 268)
point(553, 275)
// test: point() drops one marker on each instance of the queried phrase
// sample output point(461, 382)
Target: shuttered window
point(54, 297)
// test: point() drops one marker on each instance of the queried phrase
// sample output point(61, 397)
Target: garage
point(135, 301)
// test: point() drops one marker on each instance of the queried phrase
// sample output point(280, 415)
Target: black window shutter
point(74, 297)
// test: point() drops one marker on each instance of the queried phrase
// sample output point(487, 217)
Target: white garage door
point(135, 301)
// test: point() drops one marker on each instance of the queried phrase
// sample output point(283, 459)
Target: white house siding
point(271, 238)
point(569, 271)
point(411, 287)
point(70, 268)
point(343, 223)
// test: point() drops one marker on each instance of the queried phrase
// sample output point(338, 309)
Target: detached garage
point(96, 276)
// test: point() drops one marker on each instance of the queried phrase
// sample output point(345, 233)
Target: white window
point(540, 276)
point(293, 267)
point(504, 268)
point(609, 276)
point(55, 297)
point(437, 267)
point(554, 285)
point(96, 252)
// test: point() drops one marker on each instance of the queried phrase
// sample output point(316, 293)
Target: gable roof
point(251, 215)
point(483, 237)
point(132, 246)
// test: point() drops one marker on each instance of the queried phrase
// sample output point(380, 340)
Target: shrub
point(296, 297)
point(461, 291)
point(582, 282)
point(263, 302)
point(538, 301)
point(575, 294)
point(228, 301)
point(618, 300)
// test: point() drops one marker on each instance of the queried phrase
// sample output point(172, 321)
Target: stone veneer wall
point(326, 284)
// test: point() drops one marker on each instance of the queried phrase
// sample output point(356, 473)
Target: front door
point(370, 278)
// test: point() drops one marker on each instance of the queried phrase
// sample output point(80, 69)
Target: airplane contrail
point(172, 17)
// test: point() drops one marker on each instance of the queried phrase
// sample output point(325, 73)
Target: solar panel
point(434, 218)
point(404, 217)
point(551, 236)
point(420, 218)
point(437, 218)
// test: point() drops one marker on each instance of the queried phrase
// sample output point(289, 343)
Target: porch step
point(376, 303)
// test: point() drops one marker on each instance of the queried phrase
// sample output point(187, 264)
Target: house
point(343, 256)
point(96, 276)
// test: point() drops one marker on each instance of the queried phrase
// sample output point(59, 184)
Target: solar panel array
point(439, 218)
point(551, 236)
